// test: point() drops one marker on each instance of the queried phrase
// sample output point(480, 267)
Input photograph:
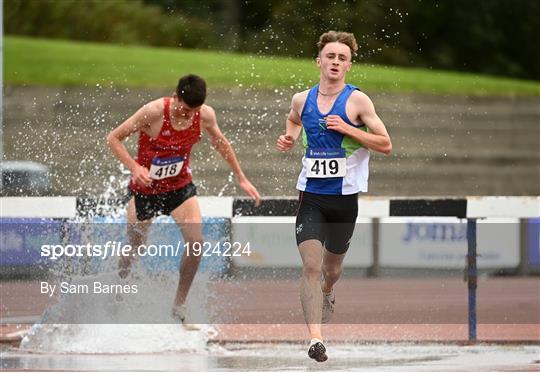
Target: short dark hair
point(192, 90)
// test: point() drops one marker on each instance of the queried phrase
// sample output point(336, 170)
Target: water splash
point(227, 184)
point(113, 336)
point(114, 339)
point(104, 323)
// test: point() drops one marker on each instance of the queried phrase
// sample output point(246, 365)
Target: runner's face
point(334, 61)
point(182, 109)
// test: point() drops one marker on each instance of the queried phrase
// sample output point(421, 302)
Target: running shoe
point(328, 306)
point(181, 314)
point(317, 351)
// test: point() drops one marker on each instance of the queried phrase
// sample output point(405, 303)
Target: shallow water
point(291, 357)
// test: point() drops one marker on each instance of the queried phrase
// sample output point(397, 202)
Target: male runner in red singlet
point(161, 181)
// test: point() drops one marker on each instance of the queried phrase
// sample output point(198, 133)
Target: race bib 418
point(163, 168)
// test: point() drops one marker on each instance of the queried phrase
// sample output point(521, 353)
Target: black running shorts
point(148, 206)
point(329, 219)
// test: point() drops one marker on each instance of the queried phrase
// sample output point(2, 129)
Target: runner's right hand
point(141, 177)
point(285, 143)
point(246, 185)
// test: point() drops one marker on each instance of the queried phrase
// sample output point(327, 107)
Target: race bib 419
point(325, 163)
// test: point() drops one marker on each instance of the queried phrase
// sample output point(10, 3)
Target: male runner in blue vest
point(340, 125)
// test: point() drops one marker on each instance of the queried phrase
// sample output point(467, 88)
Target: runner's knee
point(312, 269)
point(332, 271)
point(194, 238)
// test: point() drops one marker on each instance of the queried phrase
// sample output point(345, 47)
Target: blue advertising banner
point(534, 242)
point(21, 239)
point(91, 247)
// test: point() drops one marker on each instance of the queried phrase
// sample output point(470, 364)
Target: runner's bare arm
point(377, 138)
point(223, 146)
point(139, 121)
point(293, 125)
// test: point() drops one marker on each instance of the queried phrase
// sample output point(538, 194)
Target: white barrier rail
point(368, 207)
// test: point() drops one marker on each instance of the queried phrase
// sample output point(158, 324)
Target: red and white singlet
point(167, 155)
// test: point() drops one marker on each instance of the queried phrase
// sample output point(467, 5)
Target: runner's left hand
point(250, 190)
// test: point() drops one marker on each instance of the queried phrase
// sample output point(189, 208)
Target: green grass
point(30, 61)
